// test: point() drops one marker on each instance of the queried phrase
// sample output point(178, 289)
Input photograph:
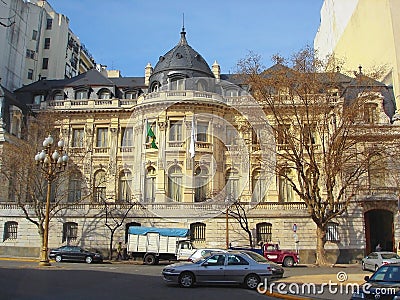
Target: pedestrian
point(378, 247)
point(119, 251)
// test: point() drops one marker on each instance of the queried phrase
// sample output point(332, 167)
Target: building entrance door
point(379, 230)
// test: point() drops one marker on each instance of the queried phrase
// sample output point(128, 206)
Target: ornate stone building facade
point(176, 148)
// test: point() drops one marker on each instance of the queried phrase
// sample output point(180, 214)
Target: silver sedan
point(236, 267)
point(376, 259)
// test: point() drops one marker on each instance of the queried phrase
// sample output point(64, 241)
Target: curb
point(286, 296)
point(23, 259)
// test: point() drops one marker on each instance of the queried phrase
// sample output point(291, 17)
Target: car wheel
point(186, 280)
point(89, 259)
point(58, 258)
point(363, 266)
point(150, 259)
point(288, 261)
point(251, 281)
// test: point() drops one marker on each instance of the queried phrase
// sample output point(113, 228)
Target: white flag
point(193, 135)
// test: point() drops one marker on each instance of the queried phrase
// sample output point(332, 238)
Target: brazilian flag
point(152, 137)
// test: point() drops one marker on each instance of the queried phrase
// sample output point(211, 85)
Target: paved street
point(26, 281)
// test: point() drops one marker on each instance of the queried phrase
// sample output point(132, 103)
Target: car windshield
point(390, 256)
point(257, 257)
point(387, 274)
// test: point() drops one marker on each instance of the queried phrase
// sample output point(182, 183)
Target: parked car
point(376, 259)
point(383, 284)
point(74, 253)
point(272, 252)
point(203, 253)
point(232, 267)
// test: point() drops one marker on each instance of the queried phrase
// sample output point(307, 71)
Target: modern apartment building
point(38, 44)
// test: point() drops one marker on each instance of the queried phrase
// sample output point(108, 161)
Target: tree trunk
point(111, 246)
point(250, 239)
point(321, 259)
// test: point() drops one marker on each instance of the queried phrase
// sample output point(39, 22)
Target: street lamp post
point(52, 161)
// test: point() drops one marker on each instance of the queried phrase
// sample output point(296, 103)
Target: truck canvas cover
point(176, 232)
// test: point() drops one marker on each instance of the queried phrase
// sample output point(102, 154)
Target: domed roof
point(183, 58)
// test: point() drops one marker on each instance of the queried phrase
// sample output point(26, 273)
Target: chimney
point(216, 69)
point(148, 71)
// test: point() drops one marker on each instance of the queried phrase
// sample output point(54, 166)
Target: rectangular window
point(10, 231)
point(127, 137)
point(70, 232)
point(231, 136)
point(309, 135)
point(175, 131)
point(202, 129)
point(30, 53)
point(30, 74)
point(198, 232)
point(47, 43)
point(34, 35)
point(283, 134)
point(77, 137)
point(49, 24)
point(102, 135)
point(332, 232)
point(45, 63)
point(74, 193)
point(81, 95)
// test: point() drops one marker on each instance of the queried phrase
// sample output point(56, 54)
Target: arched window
point(201, 184)
point(125, 179)
point(285, 187)
point(175, 183)
point(150, 185)
point(258, 184)
point(74, 187)
point(201, 86)
point(155, 86)
point(197, 231)
point(10, 230)
point(100, 186)
point(264, 232)
point(232, 184)
point(70, 232)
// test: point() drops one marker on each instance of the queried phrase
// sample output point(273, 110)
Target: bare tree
point(238, 211)
point(318, 149)
point(115, 216)
point(26, 181)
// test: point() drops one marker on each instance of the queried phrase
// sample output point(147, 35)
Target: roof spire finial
point(183, 32)
point(183, 22)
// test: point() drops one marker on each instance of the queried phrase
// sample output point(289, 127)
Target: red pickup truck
point(273, 253)
point(285, 257)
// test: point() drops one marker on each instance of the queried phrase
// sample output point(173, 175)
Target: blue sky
point(127, 34)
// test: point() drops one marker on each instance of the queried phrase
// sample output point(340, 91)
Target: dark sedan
point(74, 253)
point(384, 284)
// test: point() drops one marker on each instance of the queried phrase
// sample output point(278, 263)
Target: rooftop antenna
point(183, 22)
point(183, 33)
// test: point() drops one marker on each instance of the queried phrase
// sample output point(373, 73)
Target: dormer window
point(37, 99)
point(155, 86)
point(104, 94)
point(58, 95)
point(131, 95)
point(81, 94)
point(370, 113)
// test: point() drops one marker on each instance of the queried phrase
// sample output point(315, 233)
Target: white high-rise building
point(38, 44)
